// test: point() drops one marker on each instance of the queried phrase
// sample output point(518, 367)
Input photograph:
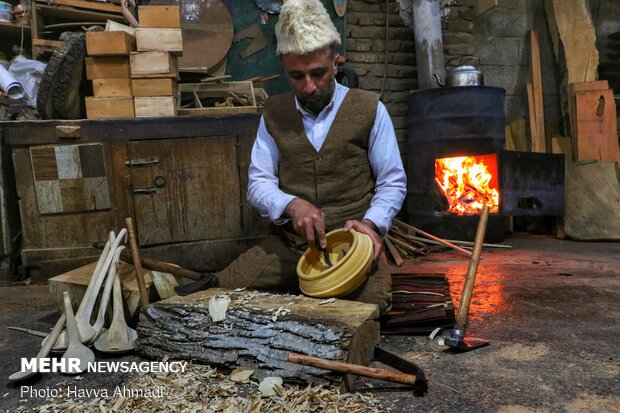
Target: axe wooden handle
point(342, 367)
point(461, 318)
point(157, 265)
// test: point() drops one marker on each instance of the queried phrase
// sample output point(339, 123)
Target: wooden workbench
point(182, 179)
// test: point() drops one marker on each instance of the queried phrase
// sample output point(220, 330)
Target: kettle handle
point(439, 81)
point(462, 60)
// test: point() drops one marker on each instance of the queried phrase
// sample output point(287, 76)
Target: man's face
point(311, 77)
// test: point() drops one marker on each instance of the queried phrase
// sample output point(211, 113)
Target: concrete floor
point(549, 307)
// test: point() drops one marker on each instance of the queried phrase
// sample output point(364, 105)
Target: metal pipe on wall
point(428, 42)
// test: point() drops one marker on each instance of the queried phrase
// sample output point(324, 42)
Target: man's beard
point(317, 100)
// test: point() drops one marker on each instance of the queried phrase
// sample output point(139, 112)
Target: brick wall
point(365, 53)
point(498, 37)
point(365, 49)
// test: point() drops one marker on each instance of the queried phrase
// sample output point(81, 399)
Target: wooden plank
point(352, 326)
point(146, 107)
point(166, 40)
point(47, 43)
point(596, 126)
point(509, 144)
point(592, 199)
point(92, 160)
point(574, 36)
point(76, 281)
point(109, 43)
point(44, 165)
point(92, 5)
point(69, 13)
point(112, 87)
point(517, 132)
point(153, 64)
point(107, 67)
point(539, 144)
point(221, 111)
point(398, 260)
point(154, 87)
point(572, 89)
point(159, 17)
point(562, 144)
point(534, 136)
point(102, 108)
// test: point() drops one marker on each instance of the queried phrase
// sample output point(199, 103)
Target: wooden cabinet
point(183, 180)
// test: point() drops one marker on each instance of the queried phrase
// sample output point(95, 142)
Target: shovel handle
point(461, 319)
point(342, 367)
point(135, 255)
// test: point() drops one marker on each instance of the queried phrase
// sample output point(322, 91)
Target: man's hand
point(367, 227)
point(308, 221)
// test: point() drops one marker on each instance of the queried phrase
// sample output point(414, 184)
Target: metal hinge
point(141, 162)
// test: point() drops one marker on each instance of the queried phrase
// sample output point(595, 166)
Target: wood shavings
point(192, 392)
point(328, 301)
point(280, 312)
point(434, 333)
point(218, 305)
point(240, 375)
point(266, 386)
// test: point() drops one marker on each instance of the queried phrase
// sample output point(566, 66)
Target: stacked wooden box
point(107, 65)
point(154, 68)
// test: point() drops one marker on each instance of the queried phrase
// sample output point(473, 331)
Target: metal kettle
point(461, 75)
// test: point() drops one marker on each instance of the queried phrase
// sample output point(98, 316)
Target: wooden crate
point(222, 90)
point(155, 106)
point(103, 108)
point(109, 43)
point(166, 40)
point(154, 87)
point(112, 88)
point(153, 64)
point(159, 17)
point(113, 67)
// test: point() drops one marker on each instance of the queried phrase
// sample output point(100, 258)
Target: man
point(325, 157)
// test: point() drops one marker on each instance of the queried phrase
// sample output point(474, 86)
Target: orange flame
point(467, 184)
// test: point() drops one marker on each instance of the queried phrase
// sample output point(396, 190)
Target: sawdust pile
point(204, 389)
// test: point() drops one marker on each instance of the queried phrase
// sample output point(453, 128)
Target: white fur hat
point(303, 27)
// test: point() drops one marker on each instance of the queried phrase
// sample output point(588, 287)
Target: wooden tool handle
point(144, 297)
point(346, 368)
point(431, 236)
point(157, 265)
point(461, 319)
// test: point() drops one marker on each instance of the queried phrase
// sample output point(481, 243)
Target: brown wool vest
point(338, 179)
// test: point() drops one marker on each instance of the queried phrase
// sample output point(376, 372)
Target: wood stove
point(456, 164)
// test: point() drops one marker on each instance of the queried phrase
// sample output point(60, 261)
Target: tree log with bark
point(258, 332)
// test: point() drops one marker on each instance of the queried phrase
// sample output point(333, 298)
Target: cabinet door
point(185, 189)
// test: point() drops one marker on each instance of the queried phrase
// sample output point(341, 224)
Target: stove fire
point(468, 183)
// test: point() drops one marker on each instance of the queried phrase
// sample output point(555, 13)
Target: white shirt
point(264, 191)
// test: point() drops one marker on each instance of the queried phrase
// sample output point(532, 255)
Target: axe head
point(207, 280)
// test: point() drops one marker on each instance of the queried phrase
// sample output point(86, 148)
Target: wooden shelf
point(14, 29)
point(70, 13)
